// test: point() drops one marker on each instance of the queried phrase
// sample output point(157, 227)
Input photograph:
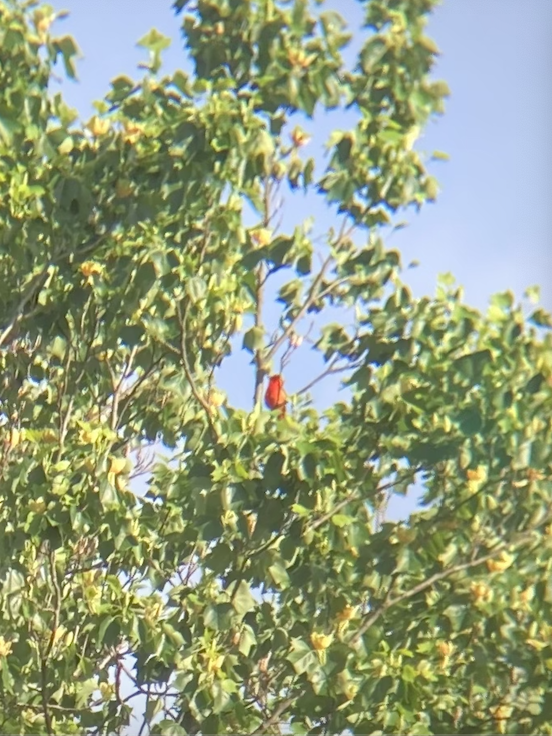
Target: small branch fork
point(317, 290)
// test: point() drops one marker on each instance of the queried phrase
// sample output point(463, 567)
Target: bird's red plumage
point(275, 396)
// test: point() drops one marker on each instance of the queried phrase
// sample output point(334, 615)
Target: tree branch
point(328, 371)
point(33, 289)
point(354, 495)
point(311, 298)
point(189, 375)
point(275, 717)
point(38, 282)
point(425, 584)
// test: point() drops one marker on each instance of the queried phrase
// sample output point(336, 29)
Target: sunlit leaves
point(68, 49)
point(251, 567)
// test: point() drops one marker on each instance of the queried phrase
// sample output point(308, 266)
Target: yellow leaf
point(261, 236)
point(117, 465)
point(347, 613)
point(16, 436)
point(321, 641)
point(107, 691)
point(476, 477)
point(299, 137)
point(411, 137)
point(5, 647)
point(132, 132)
point(37, 505)
point(91, 268)
point(98, 127)
point(445, 648)
point(481, 592)
point(215, 397)
point(500, 563)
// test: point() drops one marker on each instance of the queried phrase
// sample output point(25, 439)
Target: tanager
point(275, 396)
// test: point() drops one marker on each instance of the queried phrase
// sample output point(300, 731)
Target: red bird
point(275, 396)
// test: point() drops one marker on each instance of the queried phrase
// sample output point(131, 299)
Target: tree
point(253, 584)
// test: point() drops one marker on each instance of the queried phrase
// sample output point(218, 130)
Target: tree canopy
point(256, 582)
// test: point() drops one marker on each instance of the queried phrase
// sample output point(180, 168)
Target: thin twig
point(389, 602)
point(311, 298)
point(328, 371)
point(38, 282)
point(44, 657)
point(117, 387)
point(354, 495)
point(386, 605)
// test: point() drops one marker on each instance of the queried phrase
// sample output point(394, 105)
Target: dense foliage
point(254, 583)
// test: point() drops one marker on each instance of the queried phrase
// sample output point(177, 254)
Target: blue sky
point(492, 223)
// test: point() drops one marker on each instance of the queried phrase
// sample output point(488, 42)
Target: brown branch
point(313, 294)
point(44, 656)
point(117, 386)
point(311, 298)
point(33, 289)
point(389, 602)
point(129, 395)
point(44, 697)
point(260, 280)
point(275, 717)
point(189, 375)
point(331, 369)
point(260, 372)
point(332, 285)
point(38, 282)
point(64, 419)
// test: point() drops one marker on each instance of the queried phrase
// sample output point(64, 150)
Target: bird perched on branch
point(275, 396)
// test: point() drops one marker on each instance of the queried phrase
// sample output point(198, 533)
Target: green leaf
point(84, 691)
point(68, 48)
point(8, 129)
point(342, 520)
point(533, 294)
point(535, 383)
point(372, 53)
point(409, 673)
point(247, 641)
point(108, 494)
point(446, 279)
point(456, 614)
point(254, 339)
point(170, 728)
point(470, 421)
point(196, 288)
point(541, 318)
point(301, 657)
point(218, 616)
point(473, 364)
point(172, 634)
point(279, 575)
point(221, 697)
point(241, 599)
point(154, 41)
